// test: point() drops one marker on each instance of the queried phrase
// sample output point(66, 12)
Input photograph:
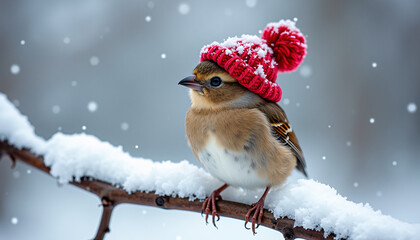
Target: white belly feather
point(233, 168)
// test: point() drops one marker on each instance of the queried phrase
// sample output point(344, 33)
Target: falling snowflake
point(394, 163)
point(151, 4)
point(184, 8)
point(163, 56)
point(148, 18)
point(324, 157)
point(94, 61)
point(137, 146)
point(124, 126)
point(286, 101)
point(14, 220)
point(73, 83)
point(305, 71)
point(92, 106)
point(355, 184)
point(411, 107)
point(295, 19)
point(372, 120)
point(22, 42)
point(348, 143)
point(28, 171)
point(83, 127)
point(16, 174)
point(15, 69)
point(374, 64)
point(251, 3)
point(56, 109)
point(66, 40)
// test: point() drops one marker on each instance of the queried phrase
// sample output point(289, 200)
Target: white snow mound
point(312, 204)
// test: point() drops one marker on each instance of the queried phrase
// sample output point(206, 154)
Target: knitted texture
point(255, 61)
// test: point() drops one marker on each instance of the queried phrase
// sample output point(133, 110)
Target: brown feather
point(238, 130)
point(283, 131)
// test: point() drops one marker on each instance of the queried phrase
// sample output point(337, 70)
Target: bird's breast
point(231, 167)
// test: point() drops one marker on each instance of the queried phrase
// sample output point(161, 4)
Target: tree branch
point(112, 196)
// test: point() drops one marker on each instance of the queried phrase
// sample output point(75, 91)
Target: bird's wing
point(284, 132)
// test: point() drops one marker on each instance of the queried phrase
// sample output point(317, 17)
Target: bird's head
point(212, 87)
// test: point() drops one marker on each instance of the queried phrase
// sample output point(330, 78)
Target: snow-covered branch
point(307, 208)
point(111, 196)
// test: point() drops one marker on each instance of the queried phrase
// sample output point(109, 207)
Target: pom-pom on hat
point(255, 61)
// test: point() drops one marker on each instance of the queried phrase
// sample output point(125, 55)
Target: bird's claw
point(258, 209)
point(209, 205)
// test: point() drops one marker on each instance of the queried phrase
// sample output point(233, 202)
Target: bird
point(234, 126)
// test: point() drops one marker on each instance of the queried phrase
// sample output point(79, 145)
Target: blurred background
point(111, 68)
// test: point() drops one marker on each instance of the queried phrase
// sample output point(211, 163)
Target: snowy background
point(113, 68)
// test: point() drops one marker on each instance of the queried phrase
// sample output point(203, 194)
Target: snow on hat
point(255, 61)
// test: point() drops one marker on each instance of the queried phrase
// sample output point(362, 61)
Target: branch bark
point(112, 196)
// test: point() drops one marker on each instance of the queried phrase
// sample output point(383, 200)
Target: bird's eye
point(215, 81)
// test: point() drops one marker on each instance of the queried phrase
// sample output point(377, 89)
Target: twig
point(112, 196)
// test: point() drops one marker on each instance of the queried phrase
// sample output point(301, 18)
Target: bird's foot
point(258, 209)
point(209, 205)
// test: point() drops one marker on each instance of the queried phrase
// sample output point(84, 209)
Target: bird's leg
point(258, 207)
point(210, 203)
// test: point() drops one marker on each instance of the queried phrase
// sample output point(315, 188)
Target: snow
point(66, 40)
point(15, 69)
point(184, 8)
point(312, 204)
point(22, 42)
point(148, 18)
point(125, 126)
point(411, 107)
point(56, 109)
point(14, 220)
point(94, 61)
point(260, 71)
point(163, 56)
point(372, 120)
point(374, 64)
point(290, 24)
point(305, 71)
point(16, 128)
point(92, 106)
point(251, 3)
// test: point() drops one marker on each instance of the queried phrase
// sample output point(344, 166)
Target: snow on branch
point(111, 196)
point(306, 209)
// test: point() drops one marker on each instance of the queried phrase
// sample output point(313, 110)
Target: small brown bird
point(236, 131)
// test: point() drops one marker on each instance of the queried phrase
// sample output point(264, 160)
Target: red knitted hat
point(255, 61)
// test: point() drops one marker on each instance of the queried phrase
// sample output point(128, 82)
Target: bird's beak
point(191, 82)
